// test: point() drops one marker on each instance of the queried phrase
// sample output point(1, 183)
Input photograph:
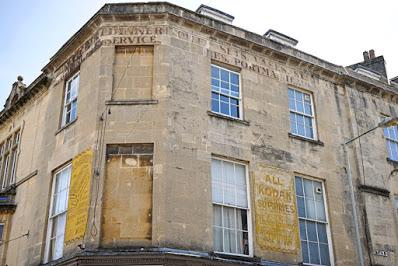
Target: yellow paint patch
point(79, 196)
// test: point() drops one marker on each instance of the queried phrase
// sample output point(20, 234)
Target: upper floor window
point(70, 103)
point(225, 92)
point(314, 227)
point(302, 118)
point(391, 135)
point(57, 214)
point(8, 159)
point(231, 215)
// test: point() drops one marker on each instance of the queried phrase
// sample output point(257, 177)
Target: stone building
point(157, 135)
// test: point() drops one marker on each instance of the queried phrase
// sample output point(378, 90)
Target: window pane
point(228, 173)
point(215, 72)
point(217, 238)
point(225, 108)
point(217, 192)
point(217, 218)
point(320, 211)
point(215, 105)
point(299, 107)
point(300, 130)
point(304, 251)
point(215, 82)
point(308, 189)
point(292, 104)
point(290, 93)
point(310, 209)
point(307, 109)
point(241, 199)
point(311, 231)
point(216, 171)
point(314, 253)
point(240, 173)
point(301, 207)
point(293, 127)
point(234, 111)
point(234, 79)
point(322, 236)
point(230, 241)
point(318, 191)
point(241, 217)
point(324, 249)
point(299, 186)
point(229, 194)
point(224, 75)
point(303, 231)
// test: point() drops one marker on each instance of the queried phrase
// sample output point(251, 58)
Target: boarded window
point(127, 208)
point(133, 72)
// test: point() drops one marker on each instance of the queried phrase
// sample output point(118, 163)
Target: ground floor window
point(231, 214)
point(315, 242)
point(58, 210)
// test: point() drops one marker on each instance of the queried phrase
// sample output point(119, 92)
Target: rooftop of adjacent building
point(372, 68)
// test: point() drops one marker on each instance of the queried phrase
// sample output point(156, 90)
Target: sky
point(337, 31)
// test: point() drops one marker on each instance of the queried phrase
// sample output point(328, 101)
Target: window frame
point(3, 224)
point(9, 155)
point(240, 98)
point(65, 103)
point(51, 217)
point(327, 223)
point(248, 210)
point(313, 117)
point(388, 141)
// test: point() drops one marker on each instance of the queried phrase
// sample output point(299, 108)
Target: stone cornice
point(232, 33)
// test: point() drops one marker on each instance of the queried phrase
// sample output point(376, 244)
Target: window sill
point(217, 115)
point(66, 126)
point(392, 162)
point(312, 141)
point(248, 258)
point(132, 102)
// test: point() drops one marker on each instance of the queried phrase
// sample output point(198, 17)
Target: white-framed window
point(1, 232)
point(314, 227)
point(231, 212)
point(391, 135)
point(57, 214)
point(226, 92)
point(302, 116)
point(8, 159)
point(70, 102)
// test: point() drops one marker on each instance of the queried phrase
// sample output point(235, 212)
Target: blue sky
point(337, 31)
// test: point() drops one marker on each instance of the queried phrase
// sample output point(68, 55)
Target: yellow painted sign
point(275, 208)
point(79, 196)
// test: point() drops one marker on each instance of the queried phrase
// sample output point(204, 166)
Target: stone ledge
point(65, 126)
point(375, 190)
point(131, 102)
point(315, 142)
point(244, 122)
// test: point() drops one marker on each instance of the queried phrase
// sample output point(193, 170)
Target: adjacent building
point(157, 135)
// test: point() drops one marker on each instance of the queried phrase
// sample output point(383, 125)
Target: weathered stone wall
point(172, 111)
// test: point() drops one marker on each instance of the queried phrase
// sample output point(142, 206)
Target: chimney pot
point(372, 54)
point(366, 56)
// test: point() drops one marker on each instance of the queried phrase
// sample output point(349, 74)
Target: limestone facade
point(143, 107)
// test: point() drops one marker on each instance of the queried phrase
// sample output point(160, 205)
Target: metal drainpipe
point(354, 208)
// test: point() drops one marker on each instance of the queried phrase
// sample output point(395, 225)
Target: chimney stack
point(366, 56)
point(372, 54)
